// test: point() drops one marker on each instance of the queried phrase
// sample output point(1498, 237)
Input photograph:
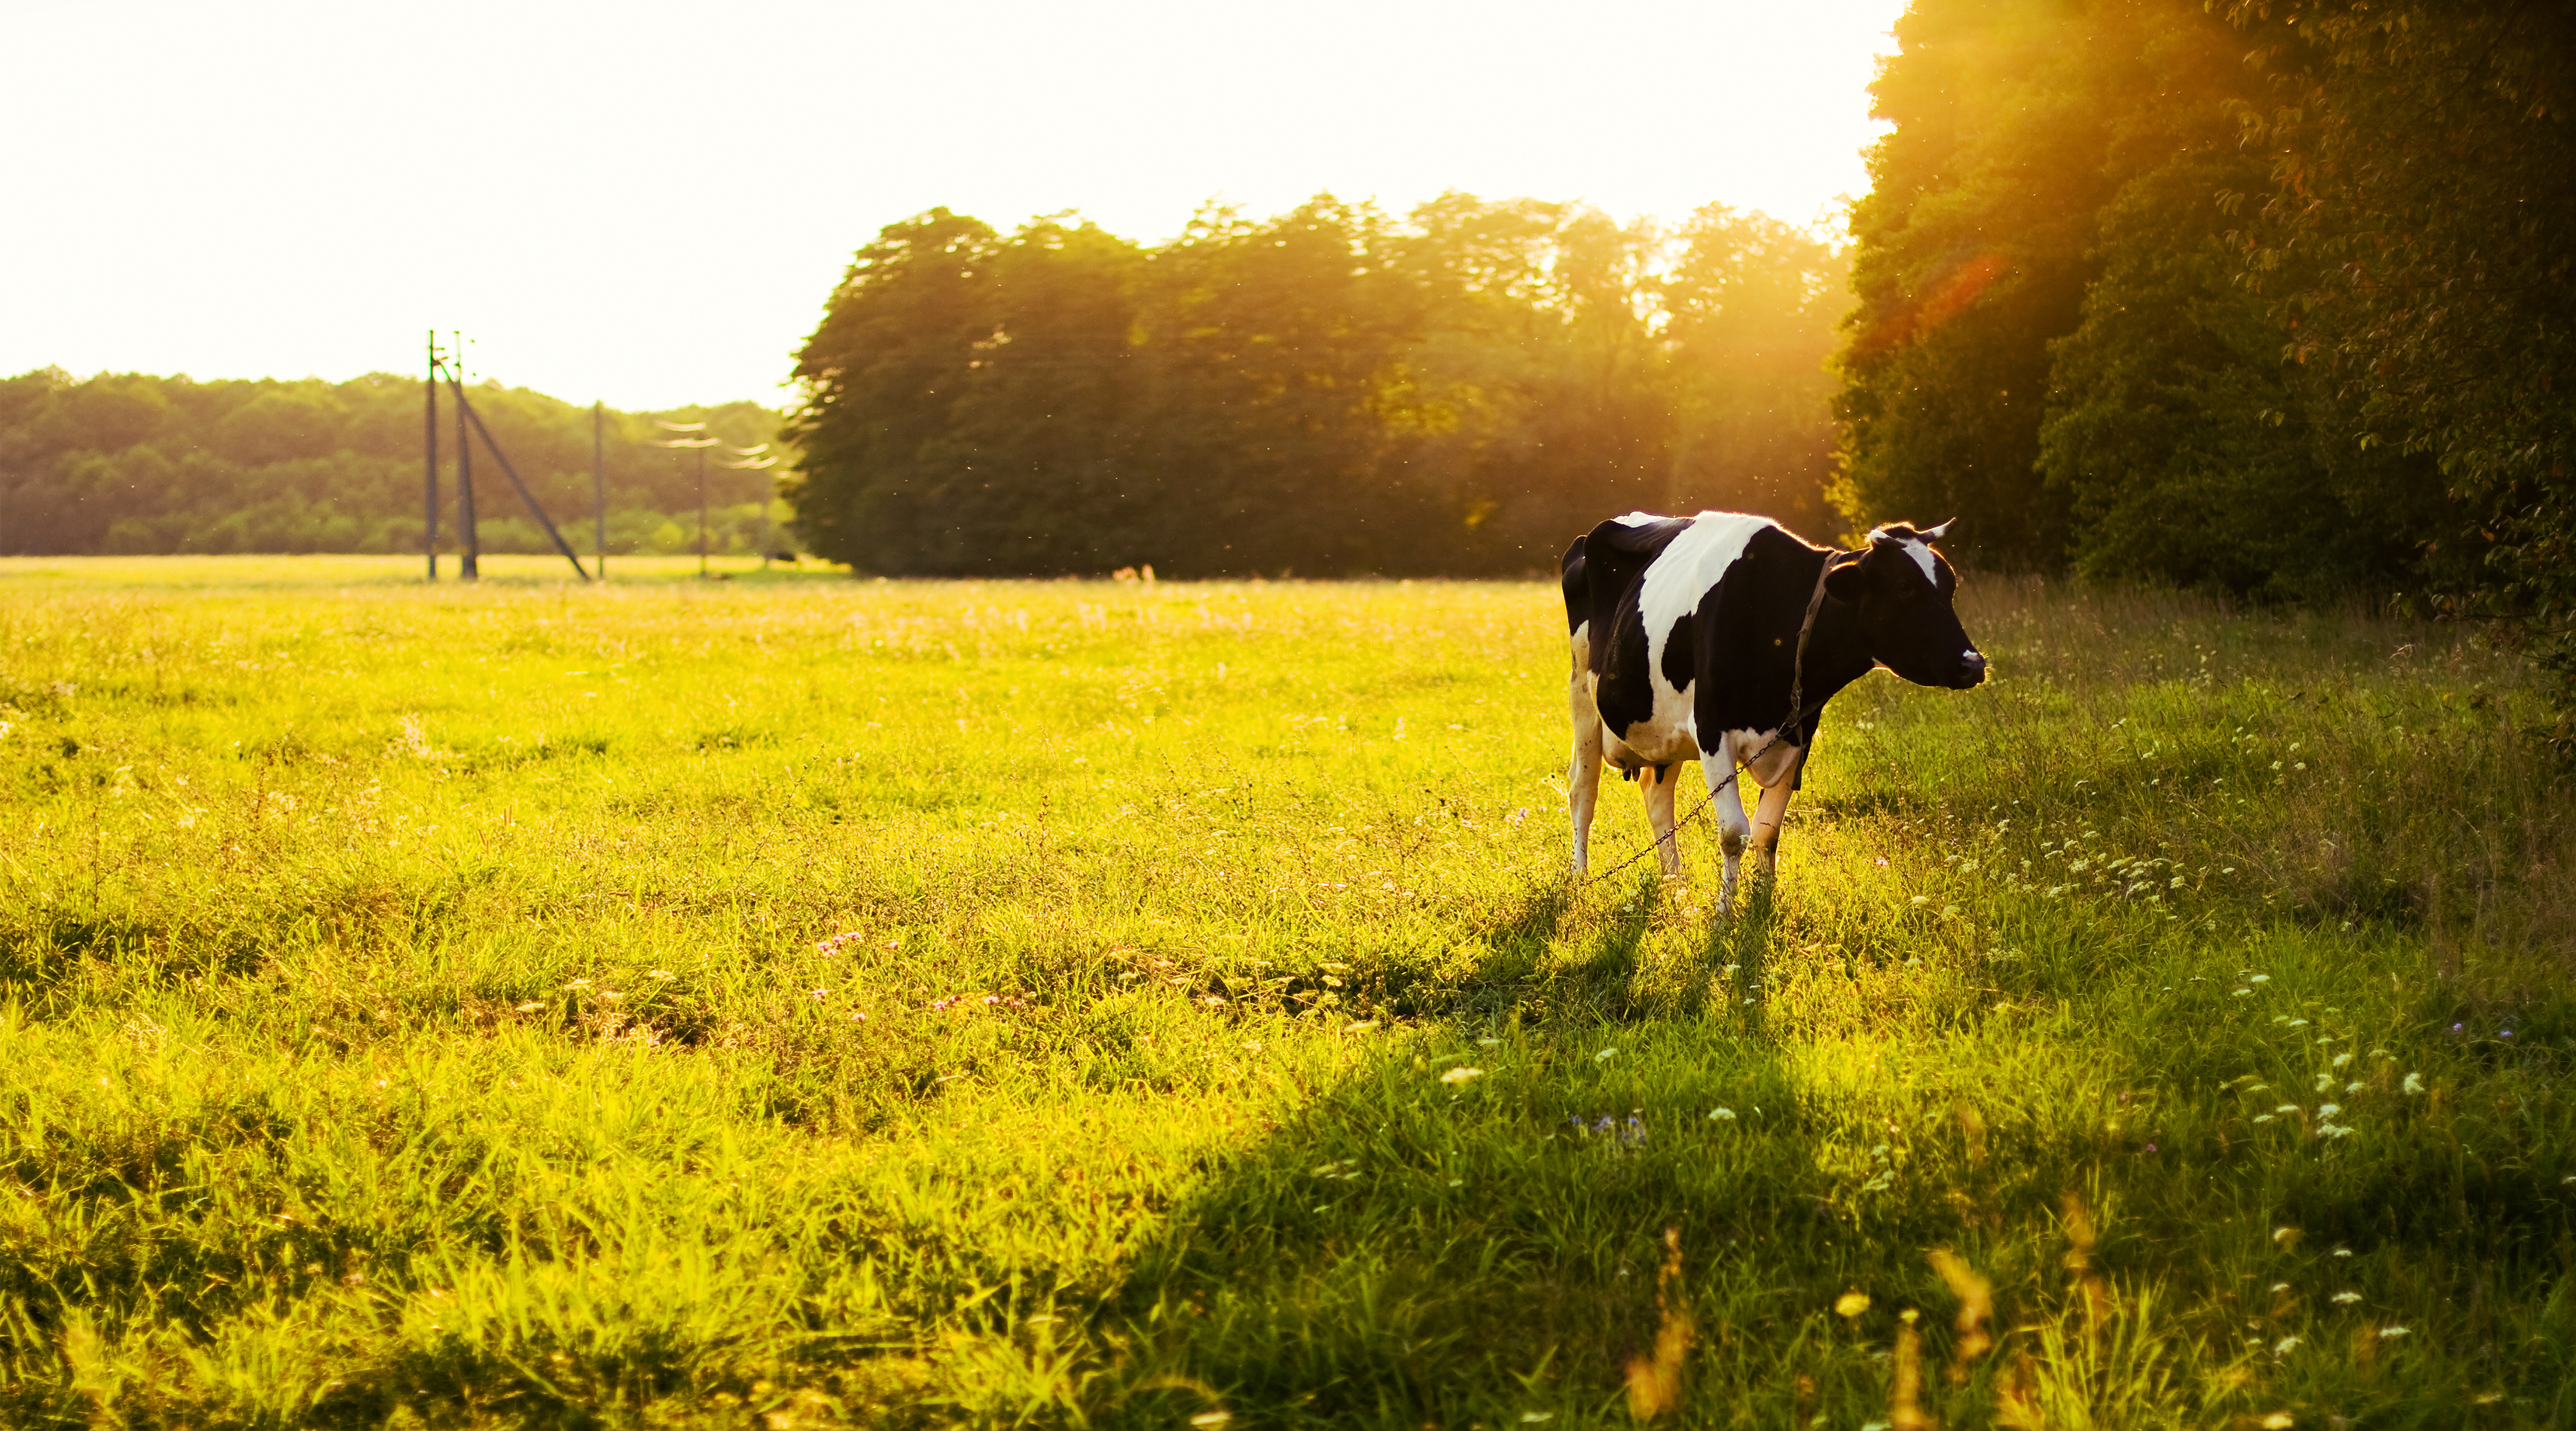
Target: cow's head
point(1901, 589)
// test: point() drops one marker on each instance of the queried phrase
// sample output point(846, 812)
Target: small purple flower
point(2151, 1147)
point(2455, 1028)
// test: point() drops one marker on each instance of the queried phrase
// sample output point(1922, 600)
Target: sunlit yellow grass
point(1091, 1002)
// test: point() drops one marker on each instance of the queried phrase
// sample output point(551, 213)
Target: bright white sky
point(648, 203)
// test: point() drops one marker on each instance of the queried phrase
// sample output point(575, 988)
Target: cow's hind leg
point(1734, 832)
point(1767, 815)
point(1583, 777)
point(1657, 783)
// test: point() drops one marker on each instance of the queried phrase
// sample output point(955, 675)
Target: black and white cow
point(1719, 638)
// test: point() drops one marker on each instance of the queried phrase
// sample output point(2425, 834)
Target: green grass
point(796, 1000)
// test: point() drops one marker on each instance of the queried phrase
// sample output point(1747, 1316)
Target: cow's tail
point(1578, 607)
point(1578, 593)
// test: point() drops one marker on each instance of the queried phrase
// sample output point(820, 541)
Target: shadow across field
point(1469, 1228)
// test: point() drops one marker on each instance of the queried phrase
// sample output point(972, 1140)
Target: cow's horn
point(1933, 534)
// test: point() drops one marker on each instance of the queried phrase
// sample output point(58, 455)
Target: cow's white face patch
point(1923, 558)
point(1637, 519)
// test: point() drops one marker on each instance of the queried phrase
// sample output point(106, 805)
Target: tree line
point(125, 462)
point(2266, 295)
point(1328, 391)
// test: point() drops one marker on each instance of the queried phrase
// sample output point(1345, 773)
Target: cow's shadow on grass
point(1561, 951)
point(1469, 1227)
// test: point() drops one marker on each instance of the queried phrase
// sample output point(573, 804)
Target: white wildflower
point(2344, 1299)
point(1462, 1075)
point(1721, 1115)
point(2414, 1084)
point(2285, 1346)
point(2393, 1331)
point(1604, 1055)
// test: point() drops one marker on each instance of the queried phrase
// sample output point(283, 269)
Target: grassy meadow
point(795, 1000)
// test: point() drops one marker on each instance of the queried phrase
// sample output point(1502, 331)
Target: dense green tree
point(1039, 477)
point(2065, 328)
point(883, 375)
point(1326, 391)
point(1269, 349)
point(1537, 396)
point(1753, 303)
point(2189, 448)
point(1972, 250)
point(2420, 247)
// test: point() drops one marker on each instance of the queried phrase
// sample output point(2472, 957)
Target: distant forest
point(135, 464)
point(1329, 391)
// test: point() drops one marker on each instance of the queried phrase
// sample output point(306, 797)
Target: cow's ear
point(1934, 534)
point(1846, 581)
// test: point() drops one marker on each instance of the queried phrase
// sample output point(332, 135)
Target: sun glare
point(649, 205)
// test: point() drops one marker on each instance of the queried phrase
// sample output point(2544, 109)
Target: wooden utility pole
point(598, 493)
point(429, 486)
point(469, 564)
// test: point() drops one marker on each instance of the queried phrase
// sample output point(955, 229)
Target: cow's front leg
point(1734, 832)
point(1658, 783)
point(1767, 815)
point(1583, 777)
